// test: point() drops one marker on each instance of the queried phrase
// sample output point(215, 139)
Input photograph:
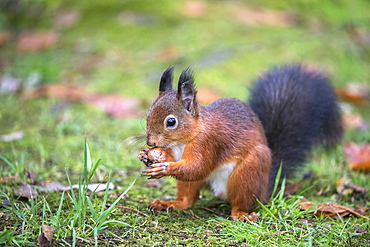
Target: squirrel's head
point(174, 116)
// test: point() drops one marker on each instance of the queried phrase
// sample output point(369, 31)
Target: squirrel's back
point(298, 110)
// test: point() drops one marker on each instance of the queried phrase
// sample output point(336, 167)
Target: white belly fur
point(218, 180)
point(178, 150)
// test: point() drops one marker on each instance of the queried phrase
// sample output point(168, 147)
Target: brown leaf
point(114, 105)
point(169, 54)
point(206, 95)
point(194, 8)
point(358, 156)
point(66, 19)
point(35, 41)
point(26, 191)
point(46, 237)
point(323, 191)
point(345, 186)
point(48, 186)
point(355, 93)
point(4, 37)
point(359, 35)
point(292, 188)
point(328, 209)
point(63, 91)
point(254, 17)
point(354, 121)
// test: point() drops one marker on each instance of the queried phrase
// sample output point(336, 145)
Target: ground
point(66, 64)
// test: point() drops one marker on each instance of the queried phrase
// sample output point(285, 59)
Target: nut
point(157, 155)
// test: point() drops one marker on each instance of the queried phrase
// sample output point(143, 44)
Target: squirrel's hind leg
point(187, 194)
point(248, 182)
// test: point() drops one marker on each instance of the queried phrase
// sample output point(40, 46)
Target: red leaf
point(254, 17)
point(206, 95)
point(358, 156)
point(352, 95)
point(115, 106)
point(4, 37)
point(35, 41)
point(67, 19)
point(194, 8)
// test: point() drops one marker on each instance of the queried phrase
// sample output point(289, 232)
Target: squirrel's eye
point(170, 122)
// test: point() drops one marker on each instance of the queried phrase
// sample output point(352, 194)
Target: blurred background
point(71, 69)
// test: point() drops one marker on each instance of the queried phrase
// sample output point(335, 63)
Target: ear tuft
point(166, 80)
point(186, 77)
point(187, 92)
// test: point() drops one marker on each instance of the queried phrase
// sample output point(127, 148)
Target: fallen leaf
point(4, 37)
point(34, 41)
point(12, 136)
point(358, 156)
point(330, 209)
point(206, 95)
point(355, 93)
point(114, 105)
point(47, 186)
point(255, 17)
point(194, 8)
point(46, 237)
point(67, 19)
point(292, 188)
point(26, 190)
point(63, 91)
point(32, 175)
point(359, 35)
point(354, 121)
point(323, 191)
point(344, 186)
point(169, 54)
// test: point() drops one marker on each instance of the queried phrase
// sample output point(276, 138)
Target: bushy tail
point(298, 109)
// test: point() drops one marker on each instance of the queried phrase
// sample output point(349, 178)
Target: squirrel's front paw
point(157, 170)
point(143, 157)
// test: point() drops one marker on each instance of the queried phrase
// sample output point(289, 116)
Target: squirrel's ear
point(187, 92)
point(166, 80)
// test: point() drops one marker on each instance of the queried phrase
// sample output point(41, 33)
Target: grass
point(121, 47)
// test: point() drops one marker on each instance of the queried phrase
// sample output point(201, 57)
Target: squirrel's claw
point(158, 205)
point(143, 157)
point(157, 170)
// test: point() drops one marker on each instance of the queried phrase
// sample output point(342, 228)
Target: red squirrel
point(233, 149)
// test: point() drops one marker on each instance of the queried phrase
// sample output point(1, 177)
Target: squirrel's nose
point(150, 142)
